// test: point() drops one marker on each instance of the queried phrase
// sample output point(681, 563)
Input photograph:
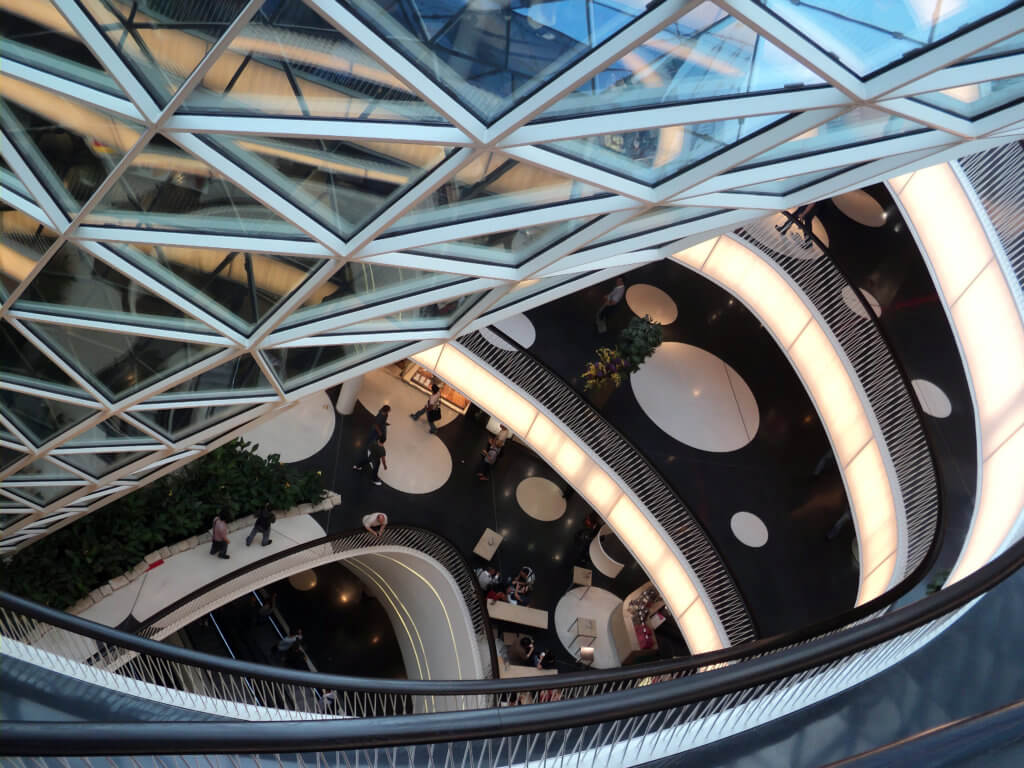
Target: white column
point(347, 397)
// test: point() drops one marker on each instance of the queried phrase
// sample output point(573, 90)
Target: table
point(488, 544)
point(517, 614)
point(583, 577)
point(585, 627)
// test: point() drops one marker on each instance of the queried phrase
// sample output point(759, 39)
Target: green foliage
point(230, 481)
point(635, 344)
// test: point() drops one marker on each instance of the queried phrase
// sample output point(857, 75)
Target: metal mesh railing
point(883, 381)
point(586, 424)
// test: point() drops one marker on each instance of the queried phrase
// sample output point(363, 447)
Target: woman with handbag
point(432, 408)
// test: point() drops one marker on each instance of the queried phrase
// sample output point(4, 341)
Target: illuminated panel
point(645, 539)
point(782, 310)
point(987, 323)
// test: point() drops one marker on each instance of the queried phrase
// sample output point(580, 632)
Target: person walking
point(219, 539)
point(379, 432)
point(487, 460)
point(375, 523)
point(432, 408)
point(611, 300)
point(264, 519)
point(504, 433)
point(374, 460)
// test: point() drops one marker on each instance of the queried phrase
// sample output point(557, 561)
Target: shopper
point(374, 459)
point(219, 539)
point(504, 433)
point(611, 300)
point(432, 408)
point(488, 577)
point(379, 431)
point(375, 523)
point(264, 519)
point(288, 643)
point(487, 461)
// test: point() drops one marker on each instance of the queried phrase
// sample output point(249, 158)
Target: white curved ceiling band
point(856, 439)
point(987, 324)
point(596, 483)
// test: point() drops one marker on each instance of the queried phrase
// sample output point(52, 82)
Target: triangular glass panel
point(792, 183)
point(71, 146)
point(165, 188)
point(10, 182)
point(120, 364)
point(527, 288)
point(96, 464)
point(75, 283)
point(42, 469)
point(240, 287)
point(437, 316)
point(651, 156)
point(240, 377)
point(978, 99)
point(7, 519)
point(493, 56)
point(179, 423)
point(22, 241)
point(652, 220)
point(1007, 47)
point(490, 185)
point(43, 494)
point(22, 363)
point(297, 366)
point(8, 456)
point(162, 42)
point(360, 285)
point(866, 36)
point(511, 247)
point(111, 432)
point(706, 54)
point(289, 62)
point(858, 126)
point(35, 34)
point(41, 419)
point(341, 183)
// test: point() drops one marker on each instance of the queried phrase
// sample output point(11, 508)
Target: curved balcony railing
point(883, 379)
point(622, 457)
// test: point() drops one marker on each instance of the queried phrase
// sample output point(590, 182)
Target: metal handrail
point(631, 465)
point(710, 693)
point(885, 382)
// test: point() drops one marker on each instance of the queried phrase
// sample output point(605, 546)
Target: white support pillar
point(348, 395)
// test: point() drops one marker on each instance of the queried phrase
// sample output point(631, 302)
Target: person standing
point(219, 539)
point(380, 426)
point(504, 433)
point(264, 519)
point(432, 408)
point(375, 523)
point(611, 300)
point(374, 459)
point(487, 461)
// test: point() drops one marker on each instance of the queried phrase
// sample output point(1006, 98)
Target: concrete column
point(348, 395)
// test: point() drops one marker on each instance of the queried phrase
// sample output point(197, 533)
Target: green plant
point(230, 481)
point(636, 342)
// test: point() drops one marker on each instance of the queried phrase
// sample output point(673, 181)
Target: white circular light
point(749, 529)
point(933, 400)
point(646, 299)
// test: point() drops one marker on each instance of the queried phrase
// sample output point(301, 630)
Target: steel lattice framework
point(211, 210)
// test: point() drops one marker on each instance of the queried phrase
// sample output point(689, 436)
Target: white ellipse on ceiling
point(749, 529)
point(646, 299)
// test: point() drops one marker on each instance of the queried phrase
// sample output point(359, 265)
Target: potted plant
point(636, 342)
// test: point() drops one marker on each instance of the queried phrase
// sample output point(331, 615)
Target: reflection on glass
point(76, 283)
point(22, 241)
point(240, 287)
point(162, 41)
point(288, 61)
point(437, 316)
point(8, 456)
point(71, 146)
point(858, 126)
point(341, 183)
point(866, 35)
point(21, 362)
point(527, 288)
point(297, 366)
point(41, 419)
point(8, 519)
point(120, 364)
point(654, 219)
point(358, 285)
point(35, 33)
point(1011, 45)
point(976, 100)
point(41, 469)
point(236, 378)
point(509, 247)
point(179, 423)
point(706, 54)
point(490, 185)
point(43, 494)
point(113, 430)
point(169, 189)
point(9, 182)
point(493, 56)
point(652, 155)
point(98, 464)
point(791, 183)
